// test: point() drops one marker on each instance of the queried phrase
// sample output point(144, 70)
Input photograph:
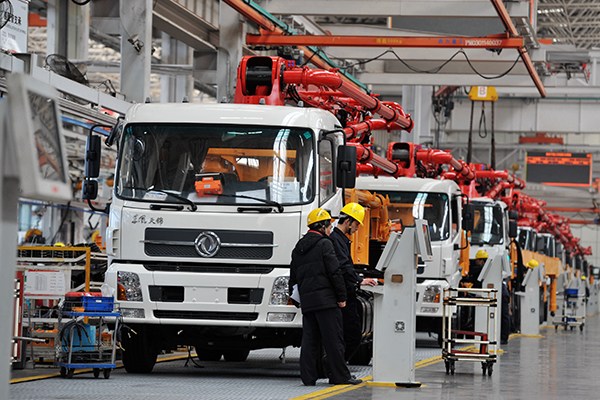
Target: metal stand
point(490, 278)
point(395, 313)
point(530, 303)
point(484, 299)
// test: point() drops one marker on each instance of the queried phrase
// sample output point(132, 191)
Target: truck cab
point(208, 203)
point(490, 230)
point(440, 203)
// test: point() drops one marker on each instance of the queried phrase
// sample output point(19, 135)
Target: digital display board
point(559, 168)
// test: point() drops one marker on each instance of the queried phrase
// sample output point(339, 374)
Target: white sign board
point(45, 283)
point(13, 37)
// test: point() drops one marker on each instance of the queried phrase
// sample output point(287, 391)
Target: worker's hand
point(369, 282)
point(341, 304)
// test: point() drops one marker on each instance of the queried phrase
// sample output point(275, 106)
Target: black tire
point(63, 372)
point(96, 372)
point(106, 373)
point(138, 355)
point(208, 354)
point(239, 355)
point(70, 373)
point(363, 355)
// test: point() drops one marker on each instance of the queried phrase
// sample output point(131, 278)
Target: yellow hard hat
point(481, 254)
point(583, 278)
point(59, 244)
point(317, 215)
point(355, 211)
point(533, 263)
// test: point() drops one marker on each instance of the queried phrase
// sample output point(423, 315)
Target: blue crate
point(98, 304)
point(572, 292)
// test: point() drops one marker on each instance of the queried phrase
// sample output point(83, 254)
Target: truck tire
point(363, 355)
point(238, 355)
point(138, 355)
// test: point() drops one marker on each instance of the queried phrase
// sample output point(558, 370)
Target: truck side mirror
point(92, 156)
point(346, 167)
point(512, 229)
point(468, 217)
point(89, 190)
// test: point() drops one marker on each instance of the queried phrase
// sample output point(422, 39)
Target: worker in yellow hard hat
point(481, 255)
point(351, 218)
point(533, 263)
point(315, 273)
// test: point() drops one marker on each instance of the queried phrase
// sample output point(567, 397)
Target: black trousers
point(323, 328)
point(352, 325)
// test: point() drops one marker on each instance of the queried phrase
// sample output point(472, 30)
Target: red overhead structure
point(485, 42)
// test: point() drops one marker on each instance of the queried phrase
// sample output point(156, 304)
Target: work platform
point(555, 365)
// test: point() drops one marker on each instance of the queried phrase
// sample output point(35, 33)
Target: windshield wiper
point(268, 202)
point(182, 199)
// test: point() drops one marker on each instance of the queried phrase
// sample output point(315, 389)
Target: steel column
point(229, 52)
point(136, 48)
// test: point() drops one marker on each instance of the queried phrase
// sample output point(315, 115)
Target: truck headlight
point(432, 294)
point(128, 286)
point(280, 291)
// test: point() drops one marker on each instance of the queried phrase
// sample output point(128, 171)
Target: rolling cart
point(83, 341)
point(484, 340)
point(573, 310)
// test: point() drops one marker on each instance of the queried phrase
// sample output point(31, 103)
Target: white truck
point(440, 203)
point(209, 201)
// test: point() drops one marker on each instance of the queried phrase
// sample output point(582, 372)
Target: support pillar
point(136, 48)
point(231, 36)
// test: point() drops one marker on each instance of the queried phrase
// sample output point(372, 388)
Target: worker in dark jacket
point(315, 270)
point(351, 217)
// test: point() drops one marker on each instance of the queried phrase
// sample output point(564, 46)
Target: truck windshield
point(434, 207)
point(219, 164)
point(487, 224)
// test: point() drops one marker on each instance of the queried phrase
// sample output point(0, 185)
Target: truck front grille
point(233, 244)
point(210, 315)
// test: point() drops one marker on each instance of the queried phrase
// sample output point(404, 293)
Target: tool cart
point(483, 340)
point(573, 310)
point(84, 339)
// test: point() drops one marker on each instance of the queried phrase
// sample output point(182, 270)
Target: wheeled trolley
point(84, 340)
point(484, 343)
point(573, 310)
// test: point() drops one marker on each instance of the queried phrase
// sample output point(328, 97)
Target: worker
point(351, 217)
point(533, 263)
point(315, 270)
point(475, 269)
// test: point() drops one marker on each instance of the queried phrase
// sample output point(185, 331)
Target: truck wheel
point(138, 355)
point(236, 355)
point(363, 355)
point(208, 353)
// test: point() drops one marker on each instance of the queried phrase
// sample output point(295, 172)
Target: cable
point(438, 68)
point(65, 215)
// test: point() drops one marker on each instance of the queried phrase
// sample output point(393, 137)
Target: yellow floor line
point(88, 370)
point(517, 335)
point(337, 389)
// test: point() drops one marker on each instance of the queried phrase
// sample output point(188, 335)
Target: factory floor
point(557, 364)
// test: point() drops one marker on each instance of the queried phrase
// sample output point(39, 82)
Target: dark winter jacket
point(316, 270)
point(341, 243)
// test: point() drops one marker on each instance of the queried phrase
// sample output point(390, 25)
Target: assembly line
point(298, 235)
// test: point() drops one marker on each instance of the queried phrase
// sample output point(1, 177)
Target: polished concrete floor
point(556, 365)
